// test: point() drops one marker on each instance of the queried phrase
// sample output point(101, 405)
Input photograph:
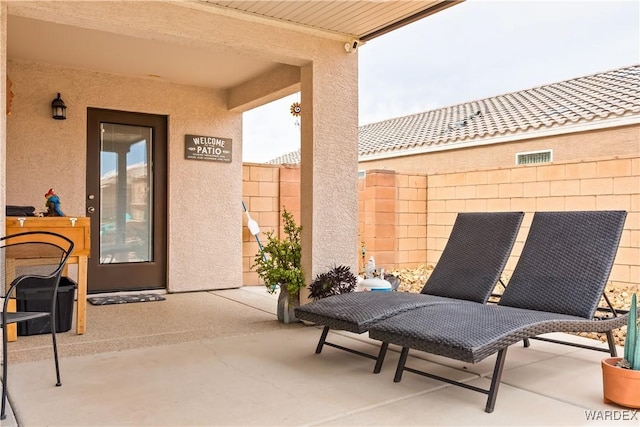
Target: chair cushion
point(357, 311)
point(565, 262)
point(474, 256)
point(469, 331)
point(470, 266)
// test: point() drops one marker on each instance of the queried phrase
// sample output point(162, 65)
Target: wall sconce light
point(58, 109)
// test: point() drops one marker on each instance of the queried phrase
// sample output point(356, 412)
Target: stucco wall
point(3, 106)
point(203, 197)
point(622, 141)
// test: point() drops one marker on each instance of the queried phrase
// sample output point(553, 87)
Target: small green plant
point(279, 262)
point(632, 340)
point(338, 280)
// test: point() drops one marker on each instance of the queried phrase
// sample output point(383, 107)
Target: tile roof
point(292, 158)
point(597, 97)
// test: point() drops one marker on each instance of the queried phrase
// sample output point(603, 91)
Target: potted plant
point(279, 266)
point(338, 280)
point(621, 376)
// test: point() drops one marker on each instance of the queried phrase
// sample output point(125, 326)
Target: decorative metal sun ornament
point(295, 109)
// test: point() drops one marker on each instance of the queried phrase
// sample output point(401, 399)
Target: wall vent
point(532, 157)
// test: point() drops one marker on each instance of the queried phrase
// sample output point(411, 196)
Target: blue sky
point(474, 50)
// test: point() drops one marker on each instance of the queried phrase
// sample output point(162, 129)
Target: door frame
point(129, 276)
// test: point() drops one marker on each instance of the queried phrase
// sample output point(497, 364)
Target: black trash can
point(34, 298)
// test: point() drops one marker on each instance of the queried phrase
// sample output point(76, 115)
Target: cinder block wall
point(405, 219)
point(393, 219)
point(392, 214)
point(261, 195)
point(599, 184)
point(266, 189)
point(378, 218)
point(411, 229)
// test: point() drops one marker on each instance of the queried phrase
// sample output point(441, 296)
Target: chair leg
point(401, 363)
point(4, 371)
point(612, 344)
point(323, 338)
point(55, 351)
point(495, 380)
point(380, 359)
point(526, 342)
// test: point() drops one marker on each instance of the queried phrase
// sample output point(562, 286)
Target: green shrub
point(279, 263)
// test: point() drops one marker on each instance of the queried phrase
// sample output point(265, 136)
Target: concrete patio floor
point(221, 358)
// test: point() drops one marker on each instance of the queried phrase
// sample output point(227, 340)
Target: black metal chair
point(51, 250)
point(468, 269)
point(555, 287)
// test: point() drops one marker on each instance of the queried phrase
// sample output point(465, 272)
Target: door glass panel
point(126, 185)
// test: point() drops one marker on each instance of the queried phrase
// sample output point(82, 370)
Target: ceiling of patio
point(65, 45)
point(361, 20)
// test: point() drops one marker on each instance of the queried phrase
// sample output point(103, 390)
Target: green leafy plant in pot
point(338, 280)
point(621, 376)
point(279, 267)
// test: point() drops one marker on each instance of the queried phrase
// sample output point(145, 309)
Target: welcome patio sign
point(212, 148)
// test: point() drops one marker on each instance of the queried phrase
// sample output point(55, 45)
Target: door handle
point(91, 209)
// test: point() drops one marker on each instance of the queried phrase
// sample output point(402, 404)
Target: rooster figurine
point(53, 204)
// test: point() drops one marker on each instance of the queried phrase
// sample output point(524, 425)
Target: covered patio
point(209, 355)
point(221, 358)
point(193, 68)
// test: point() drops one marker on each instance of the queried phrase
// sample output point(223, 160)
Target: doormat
point(124, 299)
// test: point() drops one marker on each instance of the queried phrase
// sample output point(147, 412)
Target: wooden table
point(76, 229)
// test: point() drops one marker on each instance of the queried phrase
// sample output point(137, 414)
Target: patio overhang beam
point(410, 19)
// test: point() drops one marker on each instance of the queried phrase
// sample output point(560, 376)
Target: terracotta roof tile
point(601, 96)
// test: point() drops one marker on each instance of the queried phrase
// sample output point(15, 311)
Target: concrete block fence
point(405, 219)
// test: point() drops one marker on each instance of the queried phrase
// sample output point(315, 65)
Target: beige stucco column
point(329, 164)
point(3, 111)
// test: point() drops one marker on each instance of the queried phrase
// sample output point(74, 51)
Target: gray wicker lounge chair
point(555, 287)
point(469, 268)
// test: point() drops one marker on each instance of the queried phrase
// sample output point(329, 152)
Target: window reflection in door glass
point(125, 194)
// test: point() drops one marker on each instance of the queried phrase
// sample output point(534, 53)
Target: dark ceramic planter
point(286, 307)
